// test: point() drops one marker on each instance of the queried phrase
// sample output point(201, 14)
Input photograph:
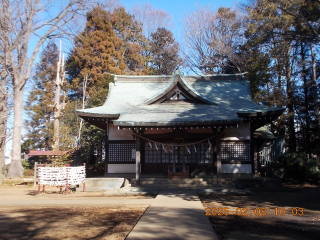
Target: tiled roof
point(46, 153)
point(127, 97)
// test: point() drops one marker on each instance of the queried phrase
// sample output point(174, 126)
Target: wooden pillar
point(106, 146)
point(219, 171)
point(138, 159)
point(251, 147)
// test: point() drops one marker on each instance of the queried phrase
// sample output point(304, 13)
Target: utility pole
point(57, 106)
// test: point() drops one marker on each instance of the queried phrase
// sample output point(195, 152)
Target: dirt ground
point(290, 214)
point(68, 222)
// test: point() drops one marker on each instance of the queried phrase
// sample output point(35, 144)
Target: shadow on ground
point(299, 217)
point(71, 223)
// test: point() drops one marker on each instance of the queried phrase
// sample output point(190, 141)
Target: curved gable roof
point(135, 101)
point(177, 82)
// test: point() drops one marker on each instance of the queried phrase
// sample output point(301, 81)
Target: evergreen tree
point(100, 50)
point(129, 30)
point(39, 105)
point(98, 53)
point(164, 53)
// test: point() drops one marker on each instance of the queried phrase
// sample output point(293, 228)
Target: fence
point(268, 155)
point(61, 176)
point(35, 176)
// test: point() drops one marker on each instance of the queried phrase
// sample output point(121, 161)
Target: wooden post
point(219, 174)
point(106, 162)
point(38, 181)
point(67, 184)
point(35, 173)
point(251, 146)
point(138, 159)
point(84, 183)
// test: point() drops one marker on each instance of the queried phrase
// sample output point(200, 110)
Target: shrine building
point(180, 126)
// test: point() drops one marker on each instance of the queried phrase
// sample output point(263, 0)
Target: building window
point(235, 151)
point(199, 153)
point(121, 152)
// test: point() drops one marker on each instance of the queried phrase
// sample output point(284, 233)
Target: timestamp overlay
point(258, 211)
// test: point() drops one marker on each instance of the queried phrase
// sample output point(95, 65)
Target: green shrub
point(297, 166)
point(26, 165)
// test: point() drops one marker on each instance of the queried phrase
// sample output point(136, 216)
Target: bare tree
point(212, 41)
point(150, 18)
point(3, 119)
point(20, 22)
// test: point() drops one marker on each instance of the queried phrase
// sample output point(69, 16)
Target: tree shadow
point(59, 223)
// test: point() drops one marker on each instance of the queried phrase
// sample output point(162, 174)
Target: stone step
point(168, 185)
point(174, 186)
point(169, 181)
point(100, 184)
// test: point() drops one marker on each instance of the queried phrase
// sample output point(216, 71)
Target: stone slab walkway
point(174, 215)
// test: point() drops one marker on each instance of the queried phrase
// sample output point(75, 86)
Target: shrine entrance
point(178, 156)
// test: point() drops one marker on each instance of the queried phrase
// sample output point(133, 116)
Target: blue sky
point(178, 8)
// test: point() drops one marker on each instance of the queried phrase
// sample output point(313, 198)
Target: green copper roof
point(178, 77)
point(127, 99)
point(263, 133)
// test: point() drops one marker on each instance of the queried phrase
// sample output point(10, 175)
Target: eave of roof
point(126, 102)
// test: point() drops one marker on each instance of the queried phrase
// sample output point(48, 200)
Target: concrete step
point(174, 186)
point(172, 181)
point(100, 184)
point(177, 184)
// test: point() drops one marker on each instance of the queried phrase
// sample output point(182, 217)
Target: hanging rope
point(177, 145)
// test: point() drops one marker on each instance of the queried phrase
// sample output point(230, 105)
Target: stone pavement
point(174, 215)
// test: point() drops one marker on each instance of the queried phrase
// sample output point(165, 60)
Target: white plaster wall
point(121, 168)
point(236, 168)
point(235, 134)
point(121, 134)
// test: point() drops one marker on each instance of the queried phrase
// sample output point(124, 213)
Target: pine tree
point(39, 105)
point(164, 52)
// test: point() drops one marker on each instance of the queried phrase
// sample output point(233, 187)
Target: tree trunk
point(16, 169)
point(315, 91)
point(306, 101)
point(3, 123)
point(56, 113)
point(291, 129)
